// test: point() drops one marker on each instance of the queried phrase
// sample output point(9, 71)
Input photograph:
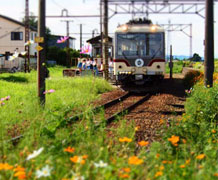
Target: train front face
point(139, 53)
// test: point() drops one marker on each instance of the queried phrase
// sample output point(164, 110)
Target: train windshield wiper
point(124, 55)
point(155, 53)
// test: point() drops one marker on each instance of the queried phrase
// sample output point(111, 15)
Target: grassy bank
point(187, 150)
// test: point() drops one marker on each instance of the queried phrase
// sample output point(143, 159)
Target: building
point(96, 46)
point(52, 41)
point(12, 36)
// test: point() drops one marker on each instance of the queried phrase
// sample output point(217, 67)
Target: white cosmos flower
point(79, 178)
point(46, 171)
point(35, 153)
point(101, 164)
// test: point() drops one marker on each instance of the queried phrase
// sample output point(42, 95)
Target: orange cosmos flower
point(137, 128)
point(159, 173)
point(157, 155)
point(161, 121)
point(125, 139)
point(182, 166)
point(201, 156)
point(134, 160)
point(69, 149)
point(184, 141)
point(19, 168)
point(164, 162)
point(187, 161)
point(78, 159)
point(174, 140)
point(216, 174)
point(213, 131)
point(161, 168)
point(143, 143)
point(20, 174)
point(5, 166)
point(124, 175)
point(85, 156)
point(126, 170)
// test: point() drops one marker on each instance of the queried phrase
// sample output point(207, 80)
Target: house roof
point(97, 39)
point(15, 21)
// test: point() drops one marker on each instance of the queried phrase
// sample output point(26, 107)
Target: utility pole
point(209, 44)
point(27, 48)
point(191, 40)
point(105, 41)
point(41, 54)
point(81, 36)
point(101, 29)
point(68, 42)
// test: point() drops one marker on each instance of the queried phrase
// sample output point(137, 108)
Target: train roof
point(152, 28)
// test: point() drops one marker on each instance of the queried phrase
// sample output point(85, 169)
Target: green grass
point(46, 127)
point(177, 67)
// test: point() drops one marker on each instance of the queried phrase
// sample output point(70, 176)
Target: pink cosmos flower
point(85, 49)
point(7, 98)
point(2, 103)
point(62, 39)
point(49, 91)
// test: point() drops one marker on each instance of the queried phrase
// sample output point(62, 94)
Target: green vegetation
point(177, 67)
point(200, 66)
point(82, 150)
point(60, 55)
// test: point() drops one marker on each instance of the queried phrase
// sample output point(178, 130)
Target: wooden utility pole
point(81, 36)
point(101, 31)
point(41, 53)
point(68, 42)
point(27, 38)
point(105, 41)
point(209, 44)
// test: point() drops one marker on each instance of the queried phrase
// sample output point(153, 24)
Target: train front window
point(155, 45)
point(139, 44)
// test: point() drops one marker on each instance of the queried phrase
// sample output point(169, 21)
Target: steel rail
point(98, 108)
point(128, 109)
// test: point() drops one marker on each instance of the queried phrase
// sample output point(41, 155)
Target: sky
point(180, 42)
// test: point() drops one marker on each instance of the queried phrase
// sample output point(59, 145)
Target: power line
point(60, 6)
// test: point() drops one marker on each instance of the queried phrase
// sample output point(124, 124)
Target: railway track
point(113, 109)
point(124, 106)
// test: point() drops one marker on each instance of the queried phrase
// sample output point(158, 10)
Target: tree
point(196, 57)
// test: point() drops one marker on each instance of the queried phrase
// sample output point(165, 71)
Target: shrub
point(191, 78)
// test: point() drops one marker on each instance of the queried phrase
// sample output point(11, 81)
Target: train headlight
point(133, 70)
point(144, 70)
point(124, 28)
point(153, 28)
